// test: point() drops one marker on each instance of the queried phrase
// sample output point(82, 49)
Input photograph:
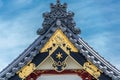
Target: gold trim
point(59, 56)
point(92, 69)
point(26, 70)
point(58, 39)
point(64, 62)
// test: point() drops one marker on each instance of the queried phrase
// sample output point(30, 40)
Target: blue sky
point(99, 21)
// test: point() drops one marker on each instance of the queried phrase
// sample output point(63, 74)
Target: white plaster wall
point(59, 77)
point(47, 64)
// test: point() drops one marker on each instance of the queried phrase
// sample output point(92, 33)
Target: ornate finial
point(58, 15)
point(58, 1)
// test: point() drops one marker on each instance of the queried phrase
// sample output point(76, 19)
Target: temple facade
point(59, 51)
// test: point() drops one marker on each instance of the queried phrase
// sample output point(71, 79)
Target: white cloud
point(12, 33)
point(17, 34)
point(3, 64)
point(21, 2)
point(99, 41)
point(12, 42)
point(102, 44)
point(118, 66)
point(92, 13)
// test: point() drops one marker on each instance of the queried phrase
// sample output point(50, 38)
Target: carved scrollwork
point(26, 70)
point(93, 70)
point(58, 11)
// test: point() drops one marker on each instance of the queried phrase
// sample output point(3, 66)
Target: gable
point(58, 39)
point(47, 64)
point(57, 50)
point(63, 47)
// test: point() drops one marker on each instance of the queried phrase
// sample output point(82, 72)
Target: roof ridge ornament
point(58, 1)
point(58, 6)
point(58, 12)
point(58, 22)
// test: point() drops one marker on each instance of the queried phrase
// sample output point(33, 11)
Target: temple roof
point(60, 14)
point(60, 18)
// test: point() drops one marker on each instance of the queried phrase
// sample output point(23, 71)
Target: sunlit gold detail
point(93, 70)
point(59, 56)
point(59, 63)
point(58, 39)
point(26, 70)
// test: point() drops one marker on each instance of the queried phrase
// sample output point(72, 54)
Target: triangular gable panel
point(58, 49)
point(58, 40)
point(47, 64)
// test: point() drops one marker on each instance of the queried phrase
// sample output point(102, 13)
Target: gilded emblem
point(26, 70)
point(59, 47)
point(93, 70)
point(59, 56)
